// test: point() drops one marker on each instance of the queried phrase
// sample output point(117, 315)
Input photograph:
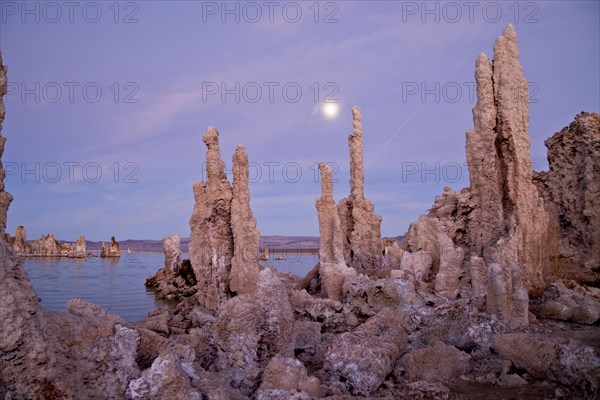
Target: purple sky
point(161, 68)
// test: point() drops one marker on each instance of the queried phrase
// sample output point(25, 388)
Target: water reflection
point(116, 284)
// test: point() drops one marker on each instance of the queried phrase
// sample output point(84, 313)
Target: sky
point(107, 103)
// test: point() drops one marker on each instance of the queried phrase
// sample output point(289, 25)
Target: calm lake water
point(117, 285)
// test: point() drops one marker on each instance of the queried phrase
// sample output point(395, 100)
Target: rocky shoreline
point(48, 246)
point(492, 294)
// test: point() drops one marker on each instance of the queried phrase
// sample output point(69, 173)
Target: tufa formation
point(492, 241)
point(110, 249)
point(361, 227)
point(224, 241)
point(571, 192)
point(332, 266)
point(46, 246)
point(445, 316)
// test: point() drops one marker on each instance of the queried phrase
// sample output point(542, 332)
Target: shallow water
point(117, 285)
point(294, 262)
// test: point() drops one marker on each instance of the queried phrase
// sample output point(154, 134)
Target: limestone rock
point(307, 339)
point(246, 237)
point(20, 242)
point(571, 189)
point(89, 353)
point(522, 209)
point(358, 362)
point(172, 251)
point(434, 262)
point(483, 162)
point(110, 249)
point(211, 241)
point(265, 255)
point(174, 285)
point(506, 294)
point(80, 247)
point(45, 246)
point(333, 269)
point(177, 279)
point(21, 341)
point(236, 339)
point(392, 254)
point(276, 313)
point(331, 314)
point(168, 378)
point(224, 240)
point(287, 375)
point(562, 360)
point(579, 305)
point(74, 250)
point(493, 241)
point(361, 227)
point(435, 363)
point(368, 297)
point(5, 197)
point(478, 271)
point(86, 310)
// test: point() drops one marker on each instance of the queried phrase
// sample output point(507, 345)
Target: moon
point(331, 110)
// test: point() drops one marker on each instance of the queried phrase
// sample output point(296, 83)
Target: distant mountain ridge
point(275, 243)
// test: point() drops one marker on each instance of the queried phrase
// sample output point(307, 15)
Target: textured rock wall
point(508, 203)
point(5, 197)
point(525, 218)
point(360, 225)
point(482, 159)
point(571, 189)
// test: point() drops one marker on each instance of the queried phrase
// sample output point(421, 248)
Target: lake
point(117, 285)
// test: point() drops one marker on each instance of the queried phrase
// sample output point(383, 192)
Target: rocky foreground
point(493, 294)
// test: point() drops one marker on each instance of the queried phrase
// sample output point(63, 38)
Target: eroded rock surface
point(358, 362)
point(246, 237)
point(571, 189)
point(20, 242)
point(562, 360)
point(492, 241)
point(332, 268)
point(285, 378)
point(436, 363)
point(172, 251)
point(360, 225)
point(577, 304)
point(224, 242)
point(177, 279)
point(5, 197)
point(47, 246)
